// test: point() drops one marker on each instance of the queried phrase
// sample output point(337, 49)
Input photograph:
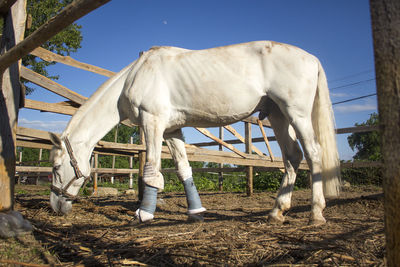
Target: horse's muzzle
point(59, 204)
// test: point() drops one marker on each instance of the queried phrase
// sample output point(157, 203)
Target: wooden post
point(249, 169)
point(385, 17)
point(113, 157)
point(20, 160)
point(131, 167)
point(221, 165)
point(142, 161)
point(11, 97)
point(96, 175)
point(40, 159)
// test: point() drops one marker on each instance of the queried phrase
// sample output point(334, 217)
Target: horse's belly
point(218, 108)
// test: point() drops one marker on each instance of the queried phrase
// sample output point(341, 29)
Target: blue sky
point(338, 32)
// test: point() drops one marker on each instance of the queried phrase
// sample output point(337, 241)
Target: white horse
point(168, 88)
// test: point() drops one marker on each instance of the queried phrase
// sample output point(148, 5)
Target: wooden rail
point(39, 139)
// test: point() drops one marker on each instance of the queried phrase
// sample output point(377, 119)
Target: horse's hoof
point(317, 222)
point(143, 216)
point(195, 217)
point(276, 219)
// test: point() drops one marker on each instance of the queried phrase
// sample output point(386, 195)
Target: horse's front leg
point(176, 146)
point(152, 177)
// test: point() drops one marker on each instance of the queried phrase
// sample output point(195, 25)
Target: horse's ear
point(55, 140)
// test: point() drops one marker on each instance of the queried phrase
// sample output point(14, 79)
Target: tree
point(65, 42)
point(367, 144)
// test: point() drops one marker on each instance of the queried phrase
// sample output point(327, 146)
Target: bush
point(363, 176)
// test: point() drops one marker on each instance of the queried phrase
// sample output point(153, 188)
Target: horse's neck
point(96, 117)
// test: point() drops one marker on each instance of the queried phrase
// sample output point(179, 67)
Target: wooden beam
point(274, 167)
point(254, 120)
point(213, 137)
point(34, 133)
point(50, 56)
point(194, 154)
point(52, 86)
point(265, 139)
point(30, 144)
point(356, 129)
point(59, 108)
point(233, 141)
point(69, 14)
point(241, 138)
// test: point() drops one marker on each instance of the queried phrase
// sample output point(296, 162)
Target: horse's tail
point(324, 127)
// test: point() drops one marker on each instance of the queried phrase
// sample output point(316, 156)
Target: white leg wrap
point(153, 177)
point(143, 215)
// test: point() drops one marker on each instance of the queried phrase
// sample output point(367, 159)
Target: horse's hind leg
point(176, 145)
point(152, 178)
point(312, 151)
point(292, 157)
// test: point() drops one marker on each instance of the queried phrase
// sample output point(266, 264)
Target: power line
point(350, 76)
point(352, 84)
point(352, 99)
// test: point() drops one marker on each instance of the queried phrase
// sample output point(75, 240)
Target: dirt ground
point(102, 232)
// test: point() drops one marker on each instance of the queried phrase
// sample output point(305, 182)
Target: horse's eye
point(57, 167)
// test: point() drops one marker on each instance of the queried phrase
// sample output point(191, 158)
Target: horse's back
point(221, 84)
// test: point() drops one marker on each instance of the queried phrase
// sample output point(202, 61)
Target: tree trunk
point(10, 98)
point(385, 16)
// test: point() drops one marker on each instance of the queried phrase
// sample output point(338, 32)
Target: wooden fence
point(250, 158)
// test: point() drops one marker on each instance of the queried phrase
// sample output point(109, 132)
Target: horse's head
point(67, 177)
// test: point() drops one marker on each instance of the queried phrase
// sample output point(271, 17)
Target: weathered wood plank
point(233, 141)
point(219, 141)
point(241, 138)
point(52, 86)
point(60, 108)
point(254, 120)
point(265, 139)
point(357, 129)
point(50, 56)
point(69, 14)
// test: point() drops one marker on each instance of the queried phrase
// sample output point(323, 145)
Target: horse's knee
point(152, 176)
point(184, 172)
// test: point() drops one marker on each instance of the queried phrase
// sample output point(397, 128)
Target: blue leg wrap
point(149, 201)
point(192, 196)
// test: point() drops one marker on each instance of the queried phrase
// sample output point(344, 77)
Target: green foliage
point(363, 176)
point(123, 136)
point(367, 144)
point(267, 181)
point(30, 156)
point(65, 42)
